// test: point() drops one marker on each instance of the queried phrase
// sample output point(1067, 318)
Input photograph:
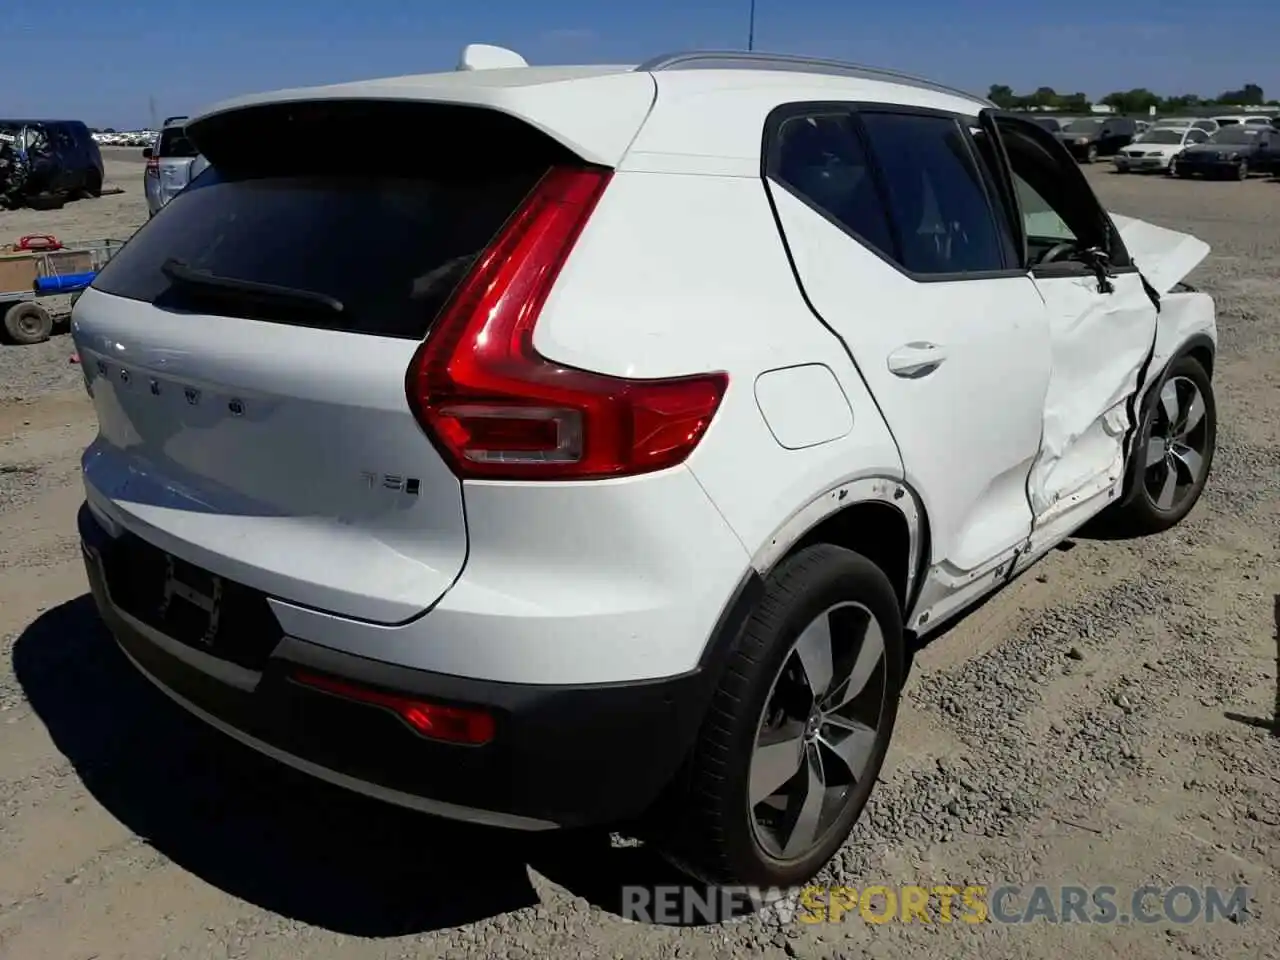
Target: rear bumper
point(561, 755)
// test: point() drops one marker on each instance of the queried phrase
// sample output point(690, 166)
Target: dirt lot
point(1111, 719)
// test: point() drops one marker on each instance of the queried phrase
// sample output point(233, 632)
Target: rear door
point(896, 240)
point(1102, 327)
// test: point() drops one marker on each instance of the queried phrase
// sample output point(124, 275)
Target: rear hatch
point(247, 350)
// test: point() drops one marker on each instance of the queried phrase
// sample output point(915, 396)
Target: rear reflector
point(496, 409)
point(433, 720)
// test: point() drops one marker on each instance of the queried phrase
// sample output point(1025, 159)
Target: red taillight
point(497, 409)
point(451, 724)
point(153, 167)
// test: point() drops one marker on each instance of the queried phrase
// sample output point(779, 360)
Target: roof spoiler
point(484, 56)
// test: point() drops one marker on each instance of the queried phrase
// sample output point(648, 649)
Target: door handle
point(916, 359)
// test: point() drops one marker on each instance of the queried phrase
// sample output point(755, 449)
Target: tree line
point(1138, 100)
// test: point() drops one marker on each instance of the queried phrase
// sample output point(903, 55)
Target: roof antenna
point(484, 56)
point(751, 28)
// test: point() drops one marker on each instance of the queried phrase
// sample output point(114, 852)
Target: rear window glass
point(174, 143)
point(390, 249)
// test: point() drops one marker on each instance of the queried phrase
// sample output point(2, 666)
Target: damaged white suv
point(595, 463)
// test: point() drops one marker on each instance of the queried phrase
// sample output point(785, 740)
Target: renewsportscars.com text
point(941, 904)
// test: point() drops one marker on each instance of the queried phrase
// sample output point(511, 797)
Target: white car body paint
point(681, 268)
point(803, 406)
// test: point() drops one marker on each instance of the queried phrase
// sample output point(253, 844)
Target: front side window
point(1056, 204)
point(1039, 219)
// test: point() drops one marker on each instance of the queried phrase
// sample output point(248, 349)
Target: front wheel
point(798, 728)
point(1242, 170)
point(1177, 441)
point(1091, 155)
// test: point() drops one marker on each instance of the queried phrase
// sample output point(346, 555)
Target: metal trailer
point(38, 267)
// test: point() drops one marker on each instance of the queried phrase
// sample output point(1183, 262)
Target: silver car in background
point(172, 163)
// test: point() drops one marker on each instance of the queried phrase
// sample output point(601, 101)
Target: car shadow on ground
point(277, 838)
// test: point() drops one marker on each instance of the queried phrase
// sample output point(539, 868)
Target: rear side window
point(287, 204)
point(822, 160)
point(907, 185)
point(174, 143)
point(943, 217)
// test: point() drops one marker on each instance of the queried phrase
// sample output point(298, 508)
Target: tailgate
point(248, 449)
point(247, 352)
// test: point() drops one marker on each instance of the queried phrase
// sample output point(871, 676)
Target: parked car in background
point(45, 163)
point(172, 163)
point(1244, 119)
point(397, 514)
point(1204, 123)
point(1089, 138)
point(1154, 150)
point(1234, 151)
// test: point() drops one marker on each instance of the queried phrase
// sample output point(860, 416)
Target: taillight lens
point(497, 409)
point(153, 167)
point(459, 725)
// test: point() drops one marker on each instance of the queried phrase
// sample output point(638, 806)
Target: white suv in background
point(597, 464)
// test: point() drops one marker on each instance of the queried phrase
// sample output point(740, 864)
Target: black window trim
point(851, 109)
point(1121, 261)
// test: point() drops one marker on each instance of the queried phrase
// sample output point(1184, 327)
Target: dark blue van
point(47, 162)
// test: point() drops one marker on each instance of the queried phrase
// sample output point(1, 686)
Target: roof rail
point(753, 60)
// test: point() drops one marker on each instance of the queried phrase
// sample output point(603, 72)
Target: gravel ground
point(1111, 718)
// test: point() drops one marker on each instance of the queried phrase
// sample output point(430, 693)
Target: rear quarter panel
point(678, 274)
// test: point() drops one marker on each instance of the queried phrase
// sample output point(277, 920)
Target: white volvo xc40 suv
point(591, 456)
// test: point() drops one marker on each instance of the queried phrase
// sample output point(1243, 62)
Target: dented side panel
point(1100, 344)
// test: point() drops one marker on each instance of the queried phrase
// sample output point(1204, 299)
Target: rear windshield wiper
point(181, 272)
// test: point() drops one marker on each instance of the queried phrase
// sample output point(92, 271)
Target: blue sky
point(104, 60)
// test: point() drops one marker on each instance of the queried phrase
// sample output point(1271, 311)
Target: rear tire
point(47, 201)
point(27, 323)
point(743, 815)
point(93, 186)
point(1177, 442)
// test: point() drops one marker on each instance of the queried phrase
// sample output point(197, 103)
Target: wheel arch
point(880, 518)
point(1199, 347)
